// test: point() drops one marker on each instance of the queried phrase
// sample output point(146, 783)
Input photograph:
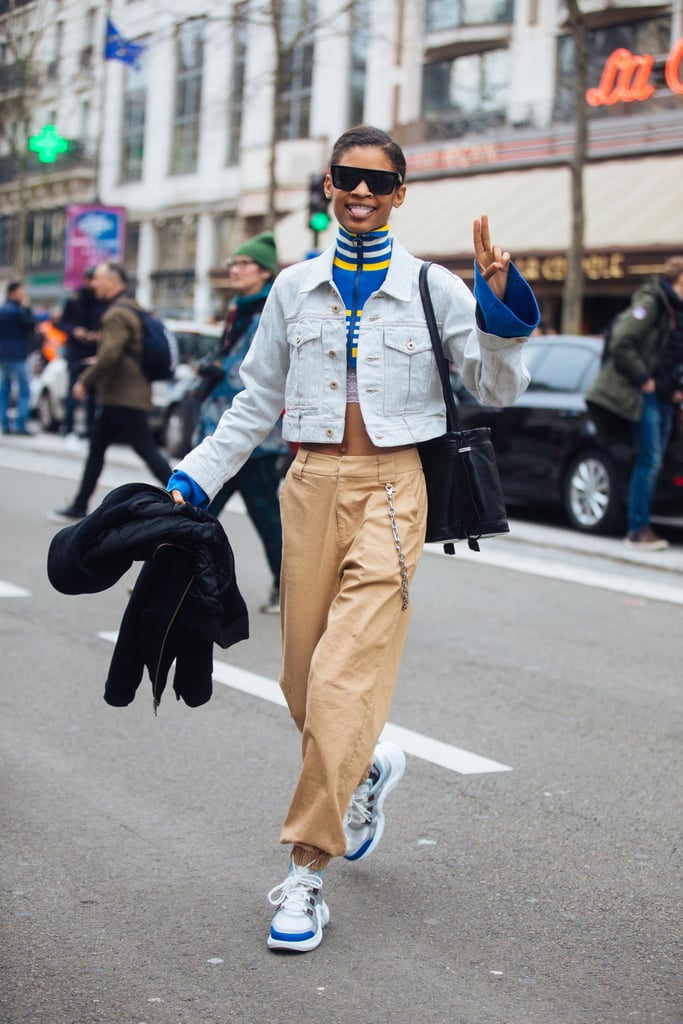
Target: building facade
point(213, 131)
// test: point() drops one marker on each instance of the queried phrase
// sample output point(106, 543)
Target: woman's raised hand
point(493, 263)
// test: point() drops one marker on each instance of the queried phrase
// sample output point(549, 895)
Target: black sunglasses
point(380, 183)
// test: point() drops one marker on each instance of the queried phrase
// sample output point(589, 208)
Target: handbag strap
point(452, 419)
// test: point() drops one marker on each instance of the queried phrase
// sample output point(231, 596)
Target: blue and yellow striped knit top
point(360, 266)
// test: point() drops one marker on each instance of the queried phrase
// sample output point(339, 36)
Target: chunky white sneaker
point(364, 819)
point(298, 924)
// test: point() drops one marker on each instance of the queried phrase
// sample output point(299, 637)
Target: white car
point(195, 340)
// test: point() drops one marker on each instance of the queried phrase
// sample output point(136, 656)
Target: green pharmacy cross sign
point(48, 144)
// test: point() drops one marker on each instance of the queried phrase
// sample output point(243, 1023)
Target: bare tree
point(293, 25)
point(22, 28)
point(572, 299)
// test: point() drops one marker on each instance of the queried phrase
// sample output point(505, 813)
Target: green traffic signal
point(319, 220)
point(318, 202)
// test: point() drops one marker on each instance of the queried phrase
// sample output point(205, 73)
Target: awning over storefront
point(629, 204)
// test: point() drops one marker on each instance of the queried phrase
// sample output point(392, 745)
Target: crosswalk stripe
point(531, 565)
point(435, 751)
point(9, 590)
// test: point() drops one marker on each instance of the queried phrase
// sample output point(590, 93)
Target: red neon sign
point(626, 77)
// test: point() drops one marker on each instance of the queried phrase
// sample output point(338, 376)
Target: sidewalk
point(536, 536)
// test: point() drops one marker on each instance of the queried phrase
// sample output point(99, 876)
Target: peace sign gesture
point(493, 263)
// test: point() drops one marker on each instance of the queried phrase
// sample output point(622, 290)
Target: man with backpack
point(641, 382)
point(123, 389)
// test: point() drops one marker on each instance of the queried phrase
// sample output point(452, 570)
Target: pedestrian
point(641, 382)
point(124, 393)
point(252, 271)
point(343, 346)
point(80, 319)
point(17, 339)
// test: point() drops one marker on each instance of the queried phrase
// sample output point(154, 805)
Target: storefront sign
point(596, 267)
point(626, 77)
point(93, 234)
point(456, 157)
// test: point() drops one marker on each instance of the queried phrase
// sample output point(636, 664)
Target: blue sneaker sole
point(303, 942)
point(397, 772)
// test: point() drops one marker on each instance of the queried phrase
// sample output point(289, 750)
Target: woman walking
point(344, 347)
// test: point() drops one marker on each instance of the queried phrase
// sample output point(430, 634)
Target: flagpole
point(101, 99)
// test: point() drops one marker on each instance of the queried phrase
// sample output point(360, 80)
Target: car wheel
point(46, 415)
point(592, 501)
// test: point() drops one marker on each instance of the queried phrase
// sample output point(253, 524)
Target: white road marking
point(9, 590)
point(434, 751)
point(600, 578)
point(57, 464)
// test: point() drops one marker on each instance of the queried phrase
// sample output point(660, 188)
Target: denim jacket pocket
point(303, 390)
point(409, 368)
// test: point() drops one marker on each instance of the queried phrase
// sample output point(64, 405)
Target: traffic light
point(318, 217)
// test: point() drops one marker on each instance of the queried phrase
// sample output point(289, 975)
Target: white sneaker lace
point(295, 892)
point(359, 811)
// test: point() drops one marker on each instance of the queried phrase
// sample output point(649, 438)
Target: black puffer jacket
point(185, 599)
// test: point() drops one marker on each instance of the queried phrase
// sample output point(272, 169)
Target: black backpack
point(159, 359)
point(159, 348)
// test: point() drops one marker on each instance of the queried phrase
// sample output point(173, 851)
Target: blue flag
point(118, 48)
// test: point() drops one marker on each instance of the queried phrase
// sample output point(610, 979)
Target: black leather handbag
point(465, 498)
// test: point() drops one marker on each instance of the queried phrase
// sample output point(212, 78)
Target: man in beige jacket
point(124, 393)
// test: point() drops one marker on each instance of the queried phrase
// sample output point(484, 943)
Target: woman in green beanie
point(252, 270)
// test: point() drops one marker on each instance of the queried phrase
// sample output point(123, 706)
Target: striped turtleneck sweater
point(360, 266)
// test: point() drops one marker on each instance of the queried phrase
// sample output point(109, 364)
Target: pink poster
point(93, 234)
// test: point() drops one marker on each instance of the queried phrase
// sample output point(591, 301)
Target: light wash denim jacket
point(298, 361)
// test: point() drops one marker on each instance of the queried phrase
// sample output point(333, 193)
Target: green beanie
point(261, 249)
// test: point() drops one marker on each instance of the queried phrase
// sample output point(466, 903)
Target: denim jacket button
point(329, 432)
point(335, 309)
point(333, 385)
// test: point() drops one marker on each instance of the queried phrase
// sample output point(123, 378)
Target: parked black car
point(548, 446)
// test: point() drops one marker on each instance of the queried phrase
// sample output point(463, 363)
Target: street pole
point(101, 100)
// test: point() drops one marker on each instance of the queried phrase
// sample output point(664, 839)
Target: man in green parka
point(641, 382)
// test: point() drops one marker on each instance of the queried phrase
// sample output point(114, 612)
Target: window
point(360, 31)
point(188, 97)
point(560, 367)
point(91, 26)
point(131, 248)
point(173, 282)
point(177, 244)
point(53, 66)
point(45, 233)
point(293, 89)
point(226, 236)
point(84, 122)
point(445, 14)
point(133, 126)
point(651, 36)
point(239, 64)
point(466, 94)
point(88, 49)
point(8, 240)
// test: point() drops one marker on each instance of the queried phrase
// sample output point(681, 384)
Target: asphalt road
point(541, 887)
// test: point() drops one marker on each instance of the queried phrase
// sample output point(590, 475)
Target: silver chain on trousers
point(389, 488)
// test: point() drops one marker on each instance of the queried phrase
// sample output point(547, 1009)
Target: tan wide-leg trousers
point(343, 624)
